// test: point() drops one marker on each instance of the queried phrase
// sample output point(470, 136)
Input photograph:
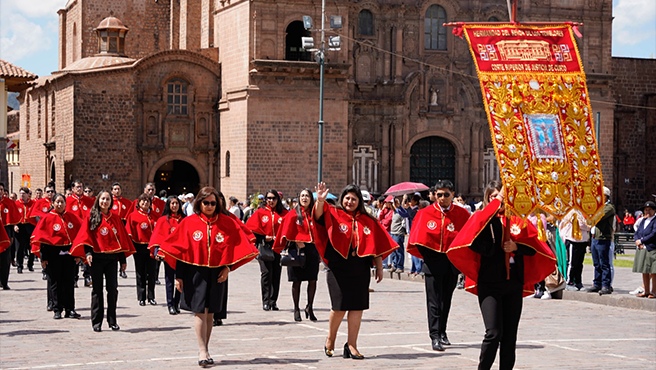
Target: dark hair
point(203, 194)
point(95, 215)
point(150, 184)
point(298, 208)
point(117, 183)
point(88, 187)
point(39, 189)
point(489, 189)
point(2, 184)
point(76, 182)
point(233, 200)
point(279, 207)
point(24, 189)
point(444, 184)
point(52, 204)
point(416, 198)
point(144, 196)
point(51, 184)
point(352, 188)
point(163, 193)
point(167, 207)
point(431, 189)
point(223, 200)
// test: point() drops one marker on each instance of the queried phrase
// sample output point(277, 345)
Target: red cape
point(214, 242)
point(435, 229)
point(243, 227)
point(108, 237)
point(156, 207)
point(265, 221)
point(55, 229)
point(8, 212)
point(4, 238)
point(139, 226)
point(24, 211)
point(536, 267)
point(293, 230)
point(121, 207)
point(163, 228)
point(367, 235)
point(40, 208)
point(79, 206)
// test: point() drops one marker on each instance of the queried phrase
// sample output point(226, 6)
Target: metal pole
point(321, 71)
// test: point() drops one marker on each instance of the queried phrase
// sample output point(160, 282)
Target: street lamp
point(334, 43)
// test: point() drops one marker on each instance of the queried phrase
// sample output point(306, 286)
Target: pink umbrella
point(405, 188)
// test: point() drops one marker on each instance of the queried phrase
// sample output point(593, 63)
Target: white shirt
point(648, 220)
point(565, 227)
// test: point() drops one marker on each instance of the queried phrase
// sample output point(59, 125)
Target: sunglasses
point(88, 191)
point(442, 195)
point(208, 203)
point(271, 198)
point(50, 191)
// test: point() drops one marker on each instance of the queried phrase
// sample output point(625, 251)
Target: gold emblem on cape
point(219, 238)
point(451, 227)
point(198, 235)
point(515, 229)
point(431, 225)
point(366, 230)
point(56, 227)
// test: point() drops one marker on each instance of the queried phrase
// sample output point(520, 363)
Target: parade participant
point(88, 191)
point(103, 242)
point(156, 204)
point(171, 217)
point(51, 241)
point(205, 247)
point(354, 242)
point(23, 231)
point(139, 227)
point(433, 230)
point(501, 258)
point(5, 243)
point(297, 231)
point(42, 206)
point(38, 194)
point(645, 256)
point(78, 203)
point(264, 223)
point(121, 207)
point(9, 216)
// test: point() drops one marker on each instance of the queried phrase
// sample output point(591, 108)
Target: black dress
point(200, 288)
point(348, 280)
point(310, 271)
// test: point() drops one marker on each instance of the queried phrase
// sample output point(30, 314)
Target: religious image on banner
point(536, 99)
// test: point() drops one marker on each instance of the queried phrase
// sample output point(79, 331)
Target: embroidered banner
point(537, 104)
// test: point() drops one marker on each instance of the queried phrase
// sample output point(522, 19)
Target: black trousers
point(6, 258)
point(172, 294)
point(440, 278)
point(576, 254)
point(24, 249)
point(270, 279)
point(145, 268)
point(501, 307)
point(107, 266)
point(61, 276)
point(223, 312)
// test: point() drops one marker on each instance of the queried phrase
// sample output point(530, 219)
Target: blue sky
point(29, 32)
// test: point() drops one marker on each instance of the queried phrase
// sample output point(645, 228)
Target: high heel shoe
point(310, 314)
point(297, 315)
point(349, 354)
point(328, 352)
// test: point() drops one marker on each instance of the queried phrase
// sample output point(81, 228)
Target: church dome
point(111, 23)
point(111, 36)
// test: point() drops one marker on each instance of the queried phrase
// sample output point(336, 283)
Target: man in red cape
point(156, 205)
point(78, 203)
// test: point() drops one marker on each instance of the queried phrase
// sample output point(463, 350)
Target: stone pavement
point(553, 334)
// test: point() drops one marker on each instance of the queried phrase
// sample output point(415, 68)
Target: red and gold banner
point(540, 117)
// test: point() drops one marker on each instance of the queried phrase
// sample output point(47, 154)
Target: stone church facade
point(223, 89)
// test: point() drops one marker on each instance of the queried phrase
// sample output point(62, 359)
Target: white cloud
point(20, 38)
point(634, 21)
point(34, 8)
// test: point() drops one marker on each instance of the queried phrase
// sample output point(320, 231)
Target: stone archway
point(177, 177)
point(432, 158)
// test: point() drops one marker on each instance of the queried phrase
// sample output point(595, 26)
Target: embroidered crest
point(104, 231)
point(74, 208)
point(84, 208)
point(198, 235)
point(44, 209)
point(366, 231)
point(5, 210)
point(431, 225)
point(219, 238)
point(451, 227)
point(343, 228)
point(70, 225)
point(157, 210)
point(515, 229)
point(144, 226)
point(114, 207)
point(56, 227)
point(265, 219)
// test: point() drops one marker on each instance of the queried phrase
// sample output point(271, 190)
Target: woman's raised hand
point(322, 191)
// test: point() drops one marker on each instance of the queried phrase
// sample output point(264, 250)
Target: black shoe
point(349, 354)
point(49, 307)
point(75, 284)
point(57, 315)
point(437, 346)
point(72, 314)
point(123, 274)
point(157, 282)
point(217, 322)
point(87, 282)
point(44, 277)
point(274, 307)
point(177, 309)
point(594, 289)
point(297, 315)
point(605, 291)
point(152, 302)
point(444, 340)
point(20, 270)
point(30, 268)
point(172, 311)
point(97, 328)
point(114, 327)
point(142, 303)
point(203, 363)
point(210, 361)
point(310, 314)
point(266, 307)
point(6, 287)
point(328, 352)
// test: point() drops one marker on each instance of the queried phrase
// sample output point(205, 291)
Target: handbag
point(555, 282)
point(292, 257)
point(266, 251)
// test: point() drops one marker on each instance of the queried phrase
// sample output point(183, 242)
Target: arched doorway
point(432, 158)
point(293, 47)
point(177, 177)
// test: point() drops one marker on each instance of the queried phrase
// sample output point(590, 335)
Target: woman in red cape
point(139, 226)
point(264, 223)
point(501, 263)
point(204, 248)
point(298, 231)
point(166, 224)
point(51, 242)
point(354, 242)
point(102, 242)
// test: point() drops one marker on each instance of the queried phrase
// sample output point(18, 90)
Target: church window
point(293, 48)
point(366, 23)
point(434, 31)
point(493, 19)
point(176, 97)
